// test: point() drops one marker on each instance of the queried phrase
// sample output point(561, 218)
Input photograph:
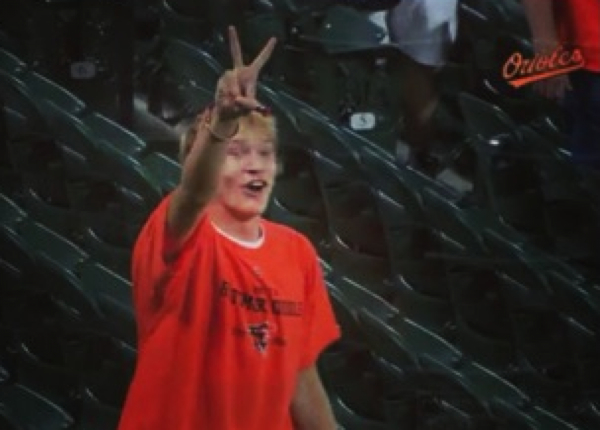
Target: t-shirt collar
point(250, 244)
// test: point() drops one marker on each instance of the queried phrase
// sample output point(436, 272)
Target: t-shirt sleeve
point(321, 326)
point(153, 265)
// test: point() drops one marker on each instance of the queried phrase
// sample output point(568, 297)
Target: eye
point(267, 152)
point(234, 149)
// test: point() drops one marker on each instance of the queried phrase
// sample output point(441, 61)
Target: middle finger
point(234, 47)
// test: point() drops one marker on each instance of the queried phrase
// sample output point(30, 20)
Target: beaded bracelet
point(213, 134)
point(219, 138)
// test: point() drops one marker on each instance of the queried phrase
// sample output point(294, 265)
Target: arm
point(310, 407)
point(540, 15)
point(198, 177)
point(235, 96)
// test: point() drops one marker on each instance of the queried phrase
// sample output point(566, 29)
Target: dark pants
point(583, 117)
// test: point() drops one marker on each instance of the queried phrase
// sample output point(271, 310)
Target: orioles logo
point(261, 335)
point(519, 71)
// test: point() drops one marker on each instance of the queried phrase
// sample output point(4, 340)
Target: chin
point(248, 213)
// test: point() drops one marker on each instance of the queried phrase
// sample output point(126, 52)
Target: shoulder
point(287, 236)
point(291, 245)
point(155, 234)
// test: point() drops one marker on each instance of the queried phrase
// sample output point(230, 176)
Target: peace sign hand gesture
point(236, 89)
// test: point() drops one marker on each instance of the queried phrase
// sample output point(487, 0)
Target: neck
point(241, 229)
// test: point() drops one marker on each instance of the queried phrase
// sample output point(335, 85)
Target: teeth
point(257, 184)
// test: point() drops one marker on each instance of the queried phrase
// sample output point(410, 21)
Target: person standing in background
point(424, 31)
point(572, 24)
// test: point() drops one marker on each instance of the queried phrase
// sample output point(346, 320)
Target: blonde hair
point(255, 121)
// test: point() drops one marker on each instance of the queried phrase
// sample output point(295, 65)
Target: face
point(248, 173)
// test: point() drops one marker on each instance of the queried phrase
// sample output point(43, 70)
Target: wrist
point(220, 129)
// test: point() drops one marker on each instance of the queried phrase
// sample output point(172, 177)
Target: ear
point(279, 167)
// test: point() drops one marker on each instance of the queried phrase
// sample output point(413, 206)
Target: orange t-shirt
point(579, 27)
point(224, 329)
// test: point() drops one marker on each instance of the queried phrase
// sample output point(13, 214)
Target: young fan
point(232, 311)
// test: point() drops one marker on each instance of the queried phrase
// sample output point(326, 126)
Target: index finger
point(234, 47)
point(264, 55)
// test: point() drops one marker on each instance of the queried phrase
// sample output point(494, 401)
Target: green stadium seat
point(269, 94)
point(20, 99)
point(350, 420)
point(43, 88)
point(105, 364)
point(482, 383)
point(509, 416)
point(323, 136)
point(185, 82)
point(361, 296)
point(16, 258)
point(166, 170)
point(357, 381)
point(516, 261)
point(432, 311)
point(191, 65)
point(572, 298)
point(78, 144)
point(47, 379)
point(483, 324)
point(139, 185)
point(25, 407)
point(10, 63)
point(345, 30)
point(357, 242)
point(117, 258)
point(547, 420)
point(437, 399)
point(107, 211)
point(9, 423)
point(491, 351)
point(454, 223)
point(177, 23)
point(25, 310)
point(386, 342)
point(96, 415)
point(58, 261)
point(113, 294)
point(295, 7)
point(297, 185)
point(112, 133)
point(37, 165)
point(57, 216)
point(545, 347)
point(386, 179)
point(345, 315)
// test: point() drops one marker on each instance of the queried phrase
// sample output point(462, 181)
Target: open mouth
point(255, 186)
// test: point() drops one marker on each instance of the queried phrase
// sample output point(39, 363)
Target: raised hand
point(236, 89)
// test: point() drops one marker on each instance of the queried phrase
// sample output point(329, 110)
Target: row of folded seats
point(75, 187)
point(400, 252)
point(510, 148)
point(431, 283)
point(67, 335)
point(459, 310)
point(88, 177)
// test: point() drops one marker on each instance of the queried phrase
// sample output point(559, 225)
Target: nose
point(254, 162)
